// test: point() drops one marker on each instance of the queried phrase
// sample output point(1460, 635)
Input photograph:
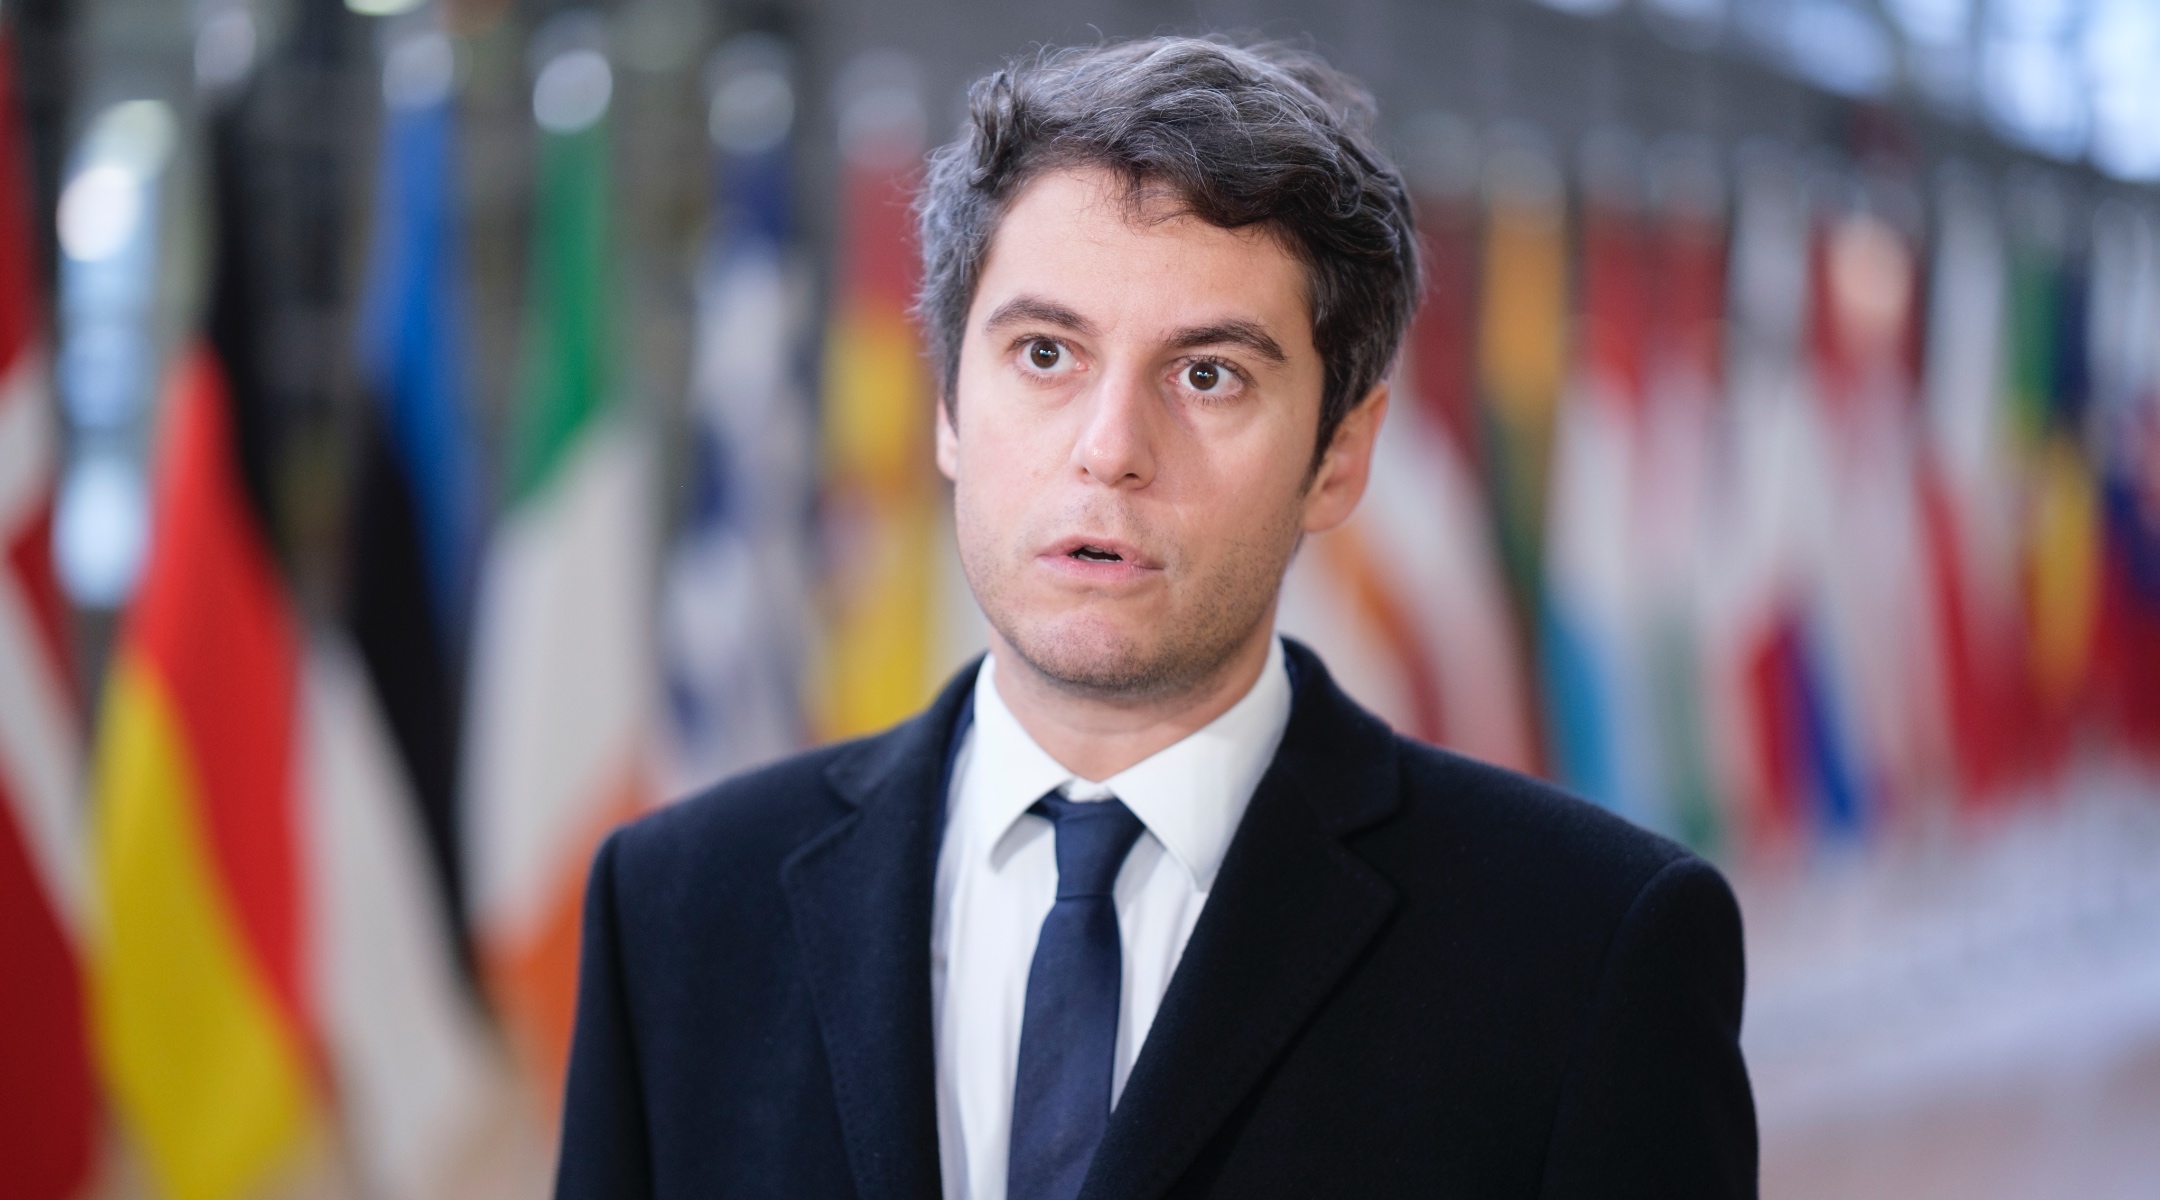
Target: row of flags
point(310, 895)
point(1802, 503)
point(1758, 502)
point(271, 963)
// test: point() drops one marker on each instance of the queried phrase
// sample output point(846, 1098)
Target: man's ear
point(1339, 483)
point(948, 441)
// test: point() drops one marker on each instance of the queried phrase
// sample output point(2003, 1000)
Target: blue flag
point(416, 510)
point(737, 579)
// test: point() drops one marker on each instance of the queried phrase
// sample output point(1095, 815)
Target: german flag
point(200, 1003)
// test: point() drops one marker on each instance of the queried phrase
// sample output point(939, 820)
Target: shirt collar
point(1190, 795)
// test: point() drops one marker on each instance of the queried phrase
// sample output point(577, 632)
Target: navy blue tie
point(1068, 1037)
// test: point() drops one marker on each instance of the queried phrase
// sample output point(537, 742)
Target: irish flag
point(47, 1112)
point(562, 677)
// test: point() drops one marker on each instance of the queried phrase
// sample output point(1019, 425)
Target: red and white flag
point(1407, 601)
point(47, 1107)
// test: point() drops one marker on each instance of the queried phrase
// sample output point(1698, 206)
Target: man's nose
point(1116, 442)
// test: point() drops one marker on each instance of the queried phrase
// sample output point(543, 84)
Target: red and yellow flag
point(199, 1005)
point(881, 492)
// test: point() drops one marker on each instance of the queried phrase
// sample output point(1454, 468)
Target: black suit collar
point(860, 895)
point(1291, 911)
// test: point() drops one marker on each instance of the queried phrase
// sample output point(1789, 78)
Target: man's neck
point(1095, 737)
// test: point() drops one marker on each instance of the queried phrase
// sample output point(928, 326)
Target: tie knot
point(1093, 838)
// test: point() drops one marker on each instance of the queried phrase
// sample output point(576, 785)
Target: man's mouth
point(1102, 552)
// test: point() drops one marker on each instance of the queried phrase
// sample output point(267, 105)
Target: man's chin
point(1092, 656)
point(1105, 660)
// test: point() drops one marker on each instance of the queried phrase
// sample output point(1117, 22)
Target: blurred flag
point(413, 1064)
point(1522, 356)
point(2060, 525)
point(47, 1109)
point(1785, 749)
point(413, 1067)
point(1444, 160)
point(415, 521)
point(1407, 601)
point(1684, 377)
point(1871, 586)
point(202, 1011)
point(2126, 361)
point(736, 584)
point(204, 1003)
point(882, 583)
point(1598, 706)
point(1969, 493)
point(271, 938)
point(562, 677)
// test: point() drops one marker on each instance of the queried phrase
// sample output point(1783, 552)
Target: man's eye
point(1045, 355)
point(1203, 376)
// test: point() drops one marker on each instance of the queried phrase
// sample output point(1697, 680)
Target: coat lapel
point(1291, 911)
point(860, 896)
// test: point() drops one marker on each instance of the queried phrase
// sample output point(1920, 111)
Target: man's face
point(1137, 401)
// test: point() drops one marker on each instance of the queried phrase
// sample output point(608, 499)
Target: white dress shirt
point(997, 878)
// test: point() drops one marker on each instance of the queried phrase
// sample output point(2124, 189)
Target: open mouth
point(1097, 558)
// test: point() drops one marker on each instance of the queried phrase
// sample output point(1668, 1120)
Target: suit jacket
point(1416, 976)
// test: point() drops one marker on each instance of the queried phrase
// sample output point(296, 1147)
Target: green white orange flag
point(562, 675)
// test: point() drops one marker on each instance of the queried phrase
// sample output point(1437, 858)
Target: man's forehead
point(1095, 204)
point(1081, 249)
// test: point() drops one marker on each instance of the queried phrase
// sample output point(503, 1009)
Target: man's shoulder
point(1525, 837)
point(739, 832)
point(759, 816)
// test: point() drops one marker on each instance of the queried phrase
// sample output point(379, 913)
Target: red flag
point(47, 1109)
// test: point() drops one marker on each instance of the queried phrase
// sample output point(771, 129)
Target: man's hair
point(1237, 135)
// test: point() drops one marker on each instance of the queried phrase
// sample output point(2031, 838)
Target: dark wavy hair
point(1239, 135)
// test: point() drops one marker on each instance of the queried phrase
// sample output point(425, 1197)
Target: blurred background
point(432, 431)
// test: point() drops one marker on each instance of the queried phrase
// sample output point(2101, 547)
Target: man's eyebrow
point(1236, 332)
point(1021, 309)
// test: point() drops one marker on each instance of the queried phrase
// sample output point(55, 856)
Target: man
point(1143, 905)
